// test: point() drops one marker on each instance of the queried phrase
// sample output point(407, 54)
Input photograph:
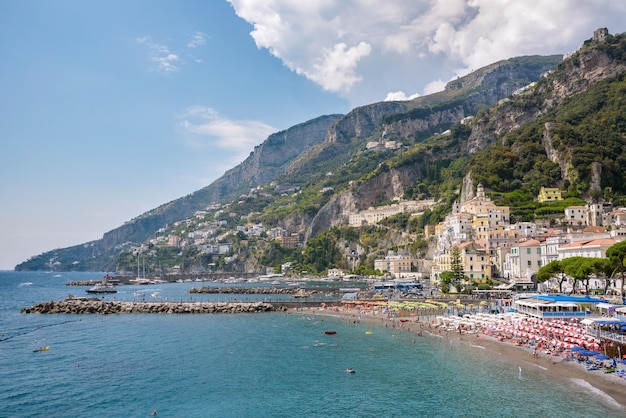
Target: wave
point(477, 346)
point(594, 390)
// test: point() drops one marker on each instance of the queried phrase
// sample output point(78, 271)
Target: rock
point(78, 306)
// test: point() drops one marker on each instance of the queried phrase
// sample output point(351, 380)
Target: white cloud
point(197, 40)
point(160, 57)
point(366, 48)
point(163, 60)
point(434, 86)
point(204, 128)
point(395, 96)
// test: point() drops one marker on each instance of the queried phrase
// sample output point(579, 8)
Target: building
point(575, 215)
point(550, 247)
point(397, 264)
point(549, 194)
point(586, 248)
point(476, 261)
point(523, 261)
point(596, 211)
point(289, 241)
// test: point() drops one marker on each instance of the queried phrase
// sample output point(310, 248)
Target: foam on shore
point(597, 392)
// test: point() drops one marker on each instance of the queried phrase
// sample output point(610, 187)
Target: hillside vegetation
point(566, 129)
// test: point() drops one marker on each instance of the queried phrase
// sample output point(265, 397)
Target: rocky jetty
point(83, 283)
point(296, 292)
point(95, 306)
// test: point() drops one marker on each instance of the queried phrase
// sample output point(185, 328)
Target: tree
point(445, 280)
point(617, 256)
point(582, 268)
point(553, 269)
point(458, 272)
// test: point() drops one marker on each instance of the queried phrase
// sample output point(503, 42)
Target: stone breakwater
point(92, 306)
point(256, 290)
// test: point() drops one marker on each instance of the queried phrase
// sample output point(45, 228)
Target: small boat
point(350, 370)
point(329, 332)
point(139, 294)
point(155, 295)
point(102, 288)
point(44, 348)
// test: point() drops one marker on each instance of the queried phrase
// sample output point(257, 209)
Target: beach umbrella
point(603, 357)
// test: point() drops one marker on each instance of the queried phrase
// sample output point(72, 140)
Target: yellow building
point(549, 194)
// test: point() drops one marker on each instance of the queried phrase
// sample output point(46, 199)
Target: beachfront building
point(475, 258)
point(556, 306)
point(399, 265)
point(586, 248)
point(522, 263)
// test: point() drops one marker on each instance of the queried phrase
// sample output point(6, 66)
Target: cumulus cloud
point(204, 128)
point(364, 47)
point(396, 96)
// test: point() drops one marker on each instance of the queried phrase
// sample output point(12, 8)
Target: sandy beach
point(608, 385)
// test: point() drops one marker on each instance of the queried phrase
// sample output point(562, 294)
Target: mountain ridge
point(410, 123)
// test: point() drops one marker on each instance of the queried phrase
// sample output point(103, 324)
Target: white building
point(590, 248)
point(523, 261)
point(576, 215)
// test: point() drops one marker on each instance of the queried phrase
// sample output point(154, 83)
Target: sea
point(252, 365)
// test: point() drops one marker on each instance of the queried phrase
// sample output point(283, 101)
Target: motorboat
point(350, 370)
point(44, 348)
point(102, 288)
point(155, 295)
point(139, 294)
point(329, 332)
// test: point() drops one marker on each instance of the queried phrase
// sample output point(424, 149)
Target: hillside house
point(549, 194)
point(575, 215)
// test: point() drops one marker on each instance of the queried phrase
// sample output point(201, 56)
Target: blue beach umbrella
point(577, 348)
point(602, 357)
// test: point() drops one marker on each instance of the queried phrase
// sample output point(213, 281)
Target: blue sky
point(110, 108)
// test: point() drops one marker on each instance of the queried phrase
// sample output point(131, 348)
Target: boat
point(329, 332)
point(139, 294)
point(350, 370)
point(104, 287)
point(44, 348)
point(155, 295)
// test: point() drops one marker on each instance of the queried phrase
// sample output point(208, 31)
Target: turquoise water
point(261, 365)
